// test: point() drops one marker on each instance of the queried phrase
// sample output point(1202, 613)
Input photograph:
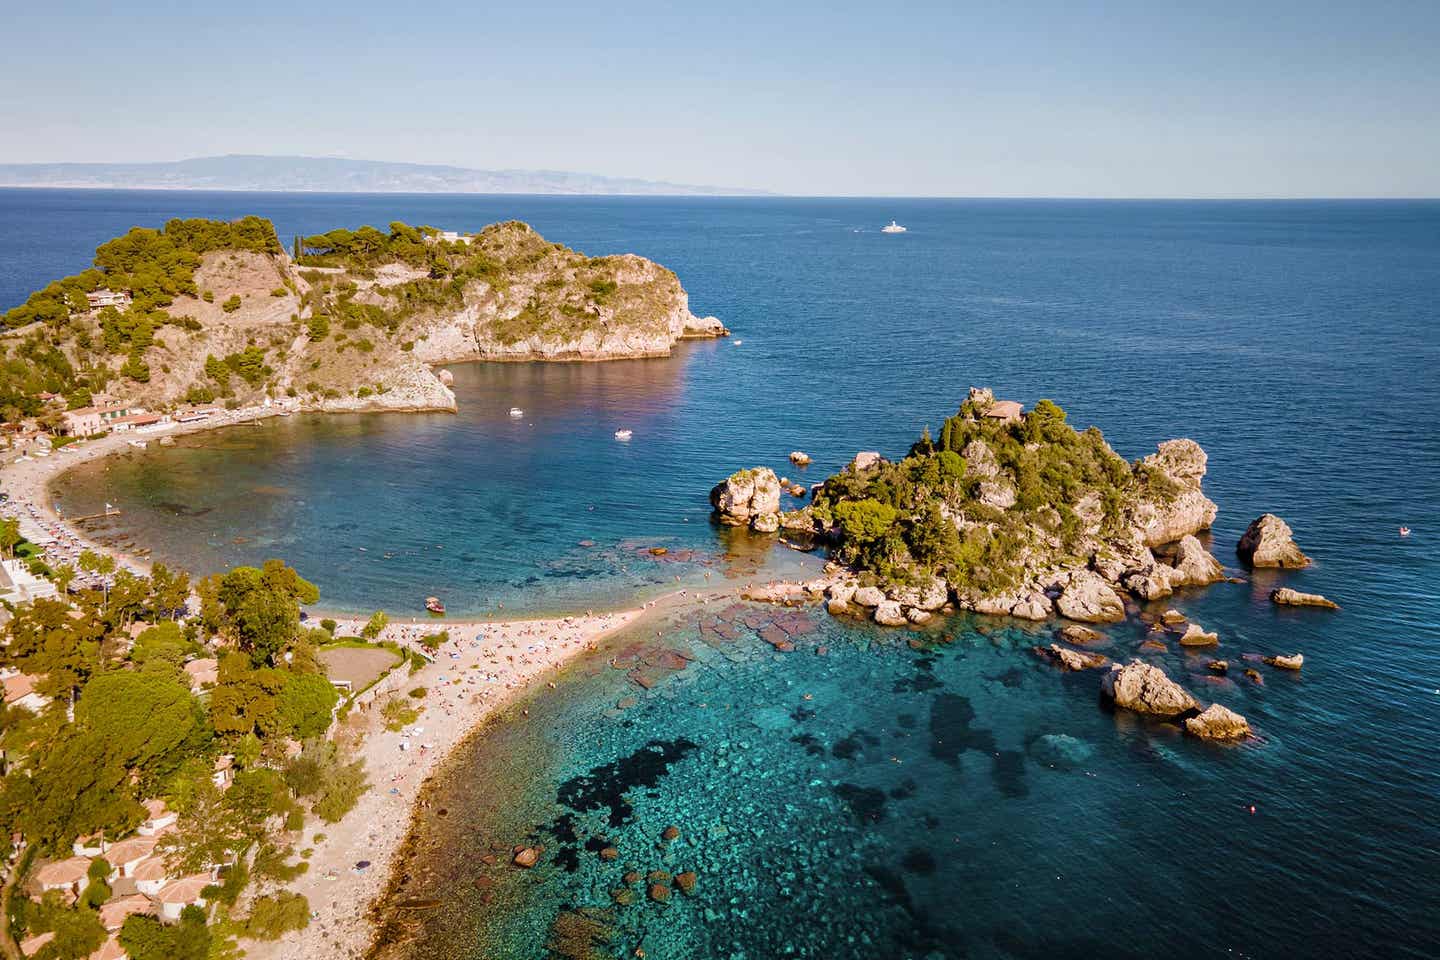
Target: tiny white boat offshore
point(892, 228)
point(516, 412)
point(623, 434)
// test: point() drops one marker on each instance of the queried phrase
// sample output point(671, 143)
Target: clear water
point(1295, 341)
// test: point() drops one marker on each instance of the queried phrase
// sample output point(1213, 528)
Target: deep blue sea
point(929, 799)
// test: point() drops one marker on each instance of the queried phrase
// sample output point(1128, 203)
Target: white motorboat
point(623, 434)
point(516, 412)
point(892, 228)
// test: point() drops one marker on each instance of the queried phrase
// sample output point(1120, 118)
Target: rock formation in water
point(1268, 542)
point(208, 311)
point(748, 498)
point(1145, 688)
point(1286, 597)
point(1009, 513)
point(1218, 723)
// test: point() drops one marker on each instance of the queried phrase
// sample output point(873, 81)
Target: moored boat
point(434, 605)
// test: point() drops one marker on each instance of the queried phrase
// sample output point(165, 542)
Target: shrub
point(278, 292)
point(377, 622)
point(209, 296)
point(398, 714)
point(328, 626)
point(232, 304)
point(272, 917)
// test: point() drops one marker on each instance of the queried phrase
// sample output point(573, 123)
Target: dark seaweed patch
point(867, 803)
point(605, 786)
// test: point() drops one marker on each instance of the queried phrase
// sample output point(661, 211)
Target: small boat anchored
point(434, 605)
point(892, 227)
point(623, 434)
point(1404, 531)
point(516, 412)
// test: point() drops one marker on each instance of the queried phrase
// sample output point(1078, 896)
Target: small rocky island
point(1005, 513)
point(1017, 514)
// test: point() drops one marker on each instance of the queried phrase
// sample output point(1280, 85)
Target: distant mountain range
point(334, 175)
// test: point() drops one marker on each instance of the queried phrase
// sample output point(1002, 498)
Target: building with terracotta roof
point(1006, 411)
point(66, 875)
point(150, 875)
point(113, 913)
point(20, 692)
point(182, 893)
point(31, 945)
point(109, 950)
point(158, 819)
point(126, 855)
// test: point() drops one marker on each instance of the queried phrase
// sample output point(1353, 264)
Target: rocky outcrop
point(748, 498)
point(1286, 597)
point(1145, 688)
point(1217, 723)
point(1193, 565)
point(800, 458)
point(866, 459)
point(890, 614)
point(1196, 636)
point(1089, 599)
point(869, 597)
point(1292, 661)
point(1183, 509)
point(1268, 542)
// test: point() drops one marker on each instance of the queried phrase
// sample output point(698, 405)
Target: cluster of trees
point(895, 520)
point(248, 364)
point(124, 725)
point(367, 247)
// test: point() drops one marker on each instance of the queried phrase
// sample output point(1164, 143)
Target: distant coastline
point(255, 173)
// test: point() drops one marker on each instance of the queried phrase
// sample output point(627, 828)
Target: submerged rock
point(1286, 597)
point(1218, 723)
point(1268, 542)
point(1073, 659)
point(527, 857)
point(800, 458)
point(1145, 688)
point(1074, 633)
point(1060, 750)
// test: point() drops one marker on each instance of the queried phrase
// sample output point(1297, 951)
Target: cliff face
point(357, 323)
point(1012, 514)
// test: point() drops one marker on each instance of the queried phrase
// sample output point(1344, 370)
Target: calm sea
point(926, 800)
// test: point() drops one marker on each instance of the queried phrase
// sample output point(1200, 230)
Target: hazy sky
point(1065, 98)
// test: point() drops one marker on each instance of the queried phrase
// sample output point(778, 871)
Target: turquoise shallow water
point(1294, 341)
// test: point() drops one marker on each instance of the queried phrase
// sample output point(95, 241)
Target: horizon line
point(754, 196)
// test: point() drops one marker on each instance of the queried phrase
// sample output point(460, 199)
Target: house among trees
point(105, 297)
point(185, 892)
point(1006, 411)
point(451, 236)
point(20, 692)
point(68, 876)
point(159, 818)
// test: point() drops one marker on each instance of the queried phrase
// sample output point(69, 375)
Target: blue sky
point(1158, 98)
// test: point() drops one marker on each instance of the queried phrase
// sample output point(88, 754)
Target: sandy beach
point(481, 667)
